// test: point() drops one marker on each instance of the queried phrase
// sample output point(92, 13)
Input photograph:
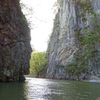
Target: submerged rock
point(15, 46)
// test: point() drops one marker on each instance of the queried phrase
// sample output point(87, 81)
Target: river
point(49, 89)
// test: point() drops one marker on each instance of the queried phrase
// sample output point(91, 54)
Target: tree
point(37, 62)
point(28, 12)
point(56, 7)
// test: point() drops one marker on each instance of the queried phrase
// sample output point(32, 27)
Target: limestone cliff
point(14, 42)
point(74, 48)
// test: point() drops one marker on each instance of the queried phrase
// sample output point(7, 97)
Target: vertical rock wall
point(14, 42)
point(74, 48)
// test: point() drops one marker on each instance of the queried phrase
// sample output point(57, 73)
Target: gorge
point(74, 48)
point(73, 54)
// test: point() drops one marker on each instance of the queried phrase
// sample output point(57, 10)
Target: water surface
point(49, 89)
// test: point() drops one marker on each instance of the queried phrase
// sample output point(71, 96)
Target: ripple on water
point(48, 89)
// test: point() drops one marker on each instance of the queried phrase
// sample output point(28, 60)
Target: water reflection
point(38, 89)
point(12, 91)
point(48, 89)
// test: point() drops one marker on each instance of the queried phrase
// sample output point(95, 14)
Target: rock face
point(74, 48)
point(14, 42)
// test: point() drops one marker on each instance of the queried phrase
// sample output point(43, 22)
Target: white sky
point(42, 19)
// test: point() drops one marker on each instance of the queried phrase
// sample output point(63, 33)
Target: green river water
point(49, 89)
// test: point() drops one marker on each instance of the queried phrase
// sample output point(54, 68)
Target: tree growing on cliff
point(28, 12)
point(37, 62)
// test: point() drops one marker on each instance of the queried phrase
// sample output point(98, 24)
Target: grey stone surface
point(64, 45)
point(15, 46)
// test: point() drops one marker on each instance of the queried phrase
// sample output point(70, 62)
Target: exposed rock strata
point(14, 42)
point(68, 48)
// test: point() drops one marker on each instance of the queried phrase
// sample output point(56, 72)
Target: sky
point(41, 17)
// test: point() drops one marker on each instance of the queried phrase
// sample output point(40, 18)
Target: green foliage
point(87, 39)
point(56, 25)
point(25, 20)
point(54, 70)
point(76, 68)
point(5, 10)
point(28, 12)
point(71, 17)
point(3, 32)
point(56, 6)
point(58, 1)
point(85, 6)
point(70, 68)
point(87, 36)
point(60, 65)
point(89, 53)
point(37, 62)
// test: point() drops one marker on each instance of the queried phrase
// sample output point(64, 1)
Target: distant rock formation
point(14, 42)
point(74, 48)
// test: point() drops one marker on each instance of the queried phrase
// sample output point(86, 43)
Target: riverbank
point(33, 76)
point(93, 81)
